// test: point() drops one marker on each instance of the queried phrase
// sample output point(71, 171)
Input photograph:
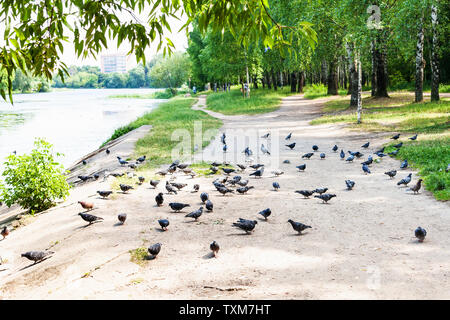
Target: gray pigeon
point(36, 256)
point(307, 155)
point(405, 181)
point(258, 173)
point(301, 167)
point(276, 185)
point(214, 246)
point(204, 196)
point(391, 173)
point(246, 225)
point(209, 205)
point(170, 188)
point(350, 184)
point(243, 190)
point(305, 193)
point(154, 249)
point(320, 190)
point(89, 217)
point(195, 214)
point(298, 226)
point(164, 223)
point(264, 149)
point(122, 217)
point(265, 213)
point(420, 234)
point(325, 197)
point(177, 206)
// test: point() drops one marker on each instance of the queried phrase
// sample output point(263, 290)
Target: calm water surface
point(76, 122)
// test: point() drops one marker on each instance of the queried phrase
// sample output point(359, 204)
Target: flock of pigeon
point(231, 184)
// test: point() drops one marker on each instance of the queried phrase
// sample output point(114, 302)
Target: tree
point(136, 77)
point(434, 53)
point(170, 72)
point(34, 181)
point(36, 30)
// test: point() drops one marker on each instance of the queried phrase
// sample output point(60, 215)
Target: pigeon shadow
point(33, 264)
point(118, 224)
point(150, 258)
point(87, 225)
point(239, 234)
point(262, 219)
point(159, 229)
point(208, 256)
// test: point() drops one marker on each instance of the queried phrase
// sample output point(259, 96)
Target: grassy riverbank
point(430, 154)
point(174, 114)
point(261, 101)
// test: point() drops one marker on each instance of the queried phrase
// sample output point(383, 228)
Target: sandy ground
point(361, 246)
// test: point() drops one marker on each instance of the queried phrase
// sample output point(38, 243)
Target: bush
point(33, 180)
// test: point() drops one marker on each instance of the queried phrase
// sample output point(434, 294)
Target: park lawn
point(430, 154)
point(233, 103)
point(174, 114)
point(319, 91)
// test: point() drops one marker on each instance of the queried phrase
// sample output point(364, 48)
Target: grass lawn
point(261, 101)
point(319, 91)
point(431, 120)
point(174, 114)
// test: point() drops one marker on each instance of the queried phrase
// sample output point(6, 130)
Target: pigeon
point(132, 166)
point(365, 145)
point(216, 164)
point(258, 173)
point(222, 138)
point(196, 188)
point(335, 148)
point(224, 190)
point(182, 166)
point(266, 136)
point(154, 183)
point(209, 205)
point(325, 197)
point(276, 185)
point(121, 161)
point(225, 148)
point(342, 154)
point(291, 146)
point(204, 196)
point(320, 190)
point(235, 180)
point(84, 178)
point(154, 249)
point(125, 187)
point(265, 213)
point(36, 256)
point(162, 172)
point(286, 161)
point(228, 170)
point(5, 232)
point(394, 153)
point(246, 225)
point(398, 145)
point(288, 137)
point(416, 188)
point(420, 233)
point(298, 226)
point(195, 214)
point(395, 137)
point(315, 148)
point(159, 199)
point(405, 181)
point(241, 166)
point(175, 164)
point(170, 188)
point(84, 162)
point(305, 193)
point(414, 137)
point(89, 217)
point(301, 167)
point(350, 184)
point(356, 154)
point(307, 155)
point(141, 180)
point(350, 158)
point(96, 176)
point(115, 174)
point(256, 166)
point(164, 223)
point(177, 206)
point(141, 159)
point(264, 150)
point(248, 152)
point(242, 183)
point(108, 151)
point(243, 190)
point(122, 217)
point(322, 155)
point(368, 161)
point(379, 150)
point(391, 173)
point(380, 154)
point(172, 169)
point(179, 186)
point(404, 164)
point(104, 194)
point(365, 168)
point(86, 205)
point(277, 172)
point(214, 246)
point(214, 170)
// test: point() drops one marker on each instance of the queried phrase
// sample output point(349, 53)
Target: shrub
point(34, 181)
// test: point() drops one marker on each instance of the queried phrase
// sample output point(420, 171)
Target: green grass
point(318, 91)
point(232, 103)
point(410, 86)
point(397, 113)
point(431, 158)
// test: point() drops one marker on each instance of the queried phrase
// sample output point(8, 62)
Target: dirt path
point(361, 245)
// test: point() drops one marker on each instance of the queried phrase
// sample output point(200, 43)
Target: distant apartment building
point(114, 63)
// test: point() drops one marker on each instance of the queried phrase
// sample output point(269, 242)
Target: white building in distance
point(114, 63)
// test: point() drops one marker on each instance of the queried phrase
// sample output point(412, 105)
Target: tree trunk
point(274, 81)
point(332, 79)
point(301, 81)
point(269, 84)
point(324, 73)
point(359, 89)
point(374, 70)
point(351, 70)
point(255, 82)
point(381, 68)
point(354, 81)
point(293, 82)
point(434, 53)
point(419, 64)
point(281, 80)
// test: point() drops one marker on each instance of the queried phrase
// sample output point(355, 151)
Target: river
point(76, 122)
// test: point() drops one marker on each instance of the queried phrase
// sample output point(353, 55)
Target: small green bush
point(34, 181)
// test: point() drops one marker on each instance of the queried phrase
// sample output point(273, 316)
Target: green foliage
point(431, 157)
point(34, 181)
point(171, 72)
point(319, 91)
